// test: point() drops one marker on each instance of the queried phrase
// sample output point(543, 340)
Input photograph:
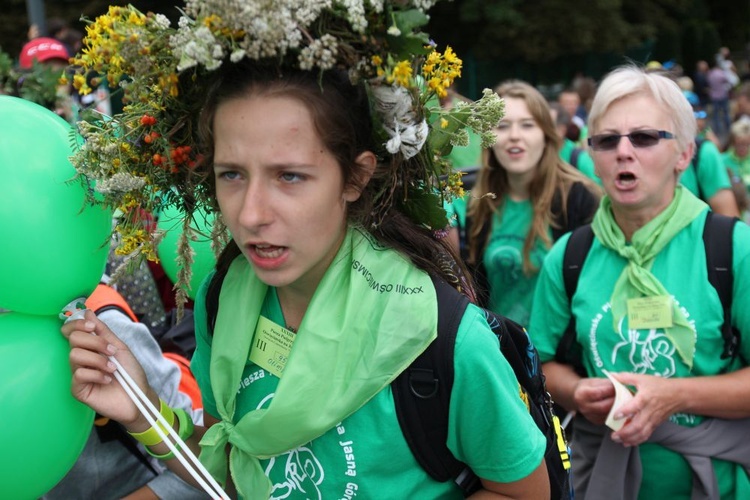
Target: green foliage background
point(542, 41)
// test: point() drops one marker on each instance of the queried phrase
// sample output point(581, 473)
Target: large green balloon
point(43, 427)
point(52, 245)
point(171, 222)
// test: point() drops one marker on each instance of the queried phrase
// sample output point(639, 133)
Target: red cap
point(42, 49)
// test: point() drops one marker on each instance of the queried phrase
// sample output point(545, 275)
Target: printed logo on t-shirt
point(303, 473)
point(505, 263)
point(645, 351)
point(504, 259)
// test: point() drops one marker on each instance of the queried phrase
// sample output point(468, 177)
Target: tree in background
point(547, 41)
point(543, 41)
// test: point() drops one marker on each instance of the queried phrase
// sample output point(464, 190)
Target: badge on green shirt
point(650, 312)
point(271, 346)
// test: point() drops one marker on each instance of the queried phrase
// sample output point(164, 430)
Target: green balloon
point(44, 428)
point(170, 221)
point(54, 245)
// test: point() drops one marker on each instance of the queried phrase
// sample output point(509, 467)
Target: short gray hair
point(629, 80)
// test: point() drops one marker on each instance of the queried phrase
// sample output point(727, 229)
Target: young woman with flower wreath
point(327, 183)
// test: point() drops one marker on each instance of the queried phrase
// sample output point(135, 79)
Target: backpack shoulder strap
point(576, 250)
point(105, 298)
point(422, 392)
point(212, 298)
point(478, 270)
point(717, 239)
point(579, 210)
point(695, 162)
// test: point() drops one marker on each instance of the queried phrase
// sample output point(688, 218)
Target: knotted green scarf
point(636, 279)
point(372, 314)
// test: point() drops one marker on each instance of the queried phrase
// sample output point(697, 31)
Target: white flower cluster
point(485, 115)
point(162, 21)
point(424, 4)
point(271, 28)
point(195, 46)
point(395, 105)
point(356, 15)
point(320, 53)
point(120, 182)
point(96, 143)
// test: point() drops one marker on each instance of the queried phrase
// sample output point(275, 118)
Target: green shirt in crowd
point(711, 176)
point(584, 162)
point(740, 166)
point(511, 290)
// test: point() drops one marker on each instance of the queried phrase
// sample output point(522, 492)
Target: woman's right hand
point(593, 398)
point(94, 383)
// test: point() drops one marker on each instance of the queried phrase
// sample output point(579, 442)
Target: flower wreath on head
point(145, 158)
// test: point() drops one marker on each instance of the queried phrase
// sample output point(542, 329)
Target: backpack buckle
point(423, 383)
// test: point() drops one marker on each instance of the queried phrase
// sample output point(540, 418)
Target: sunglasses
point(639, 139)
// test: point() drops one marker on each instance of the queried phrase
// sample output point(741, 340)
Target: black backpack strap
point(717, 238)
point(478, 271)
point(580, 208)
point(422, 393)
point(695, 161)
point(576, 250)
point(212, 298)
point(560, 225)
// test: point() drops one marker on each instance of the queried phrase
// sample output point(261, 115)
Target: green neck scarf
point(636, 279)
point(359, 332)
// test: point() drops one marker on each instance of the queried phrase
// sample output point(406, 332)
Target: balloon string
point(76, 310)
point(149, 411)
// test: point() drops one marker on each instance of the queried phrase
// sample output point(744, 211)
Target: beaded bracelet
point(151, 436)
point(185, 431)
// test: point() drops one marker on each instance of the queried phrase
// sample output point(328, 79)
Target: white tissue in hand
point(622, 396)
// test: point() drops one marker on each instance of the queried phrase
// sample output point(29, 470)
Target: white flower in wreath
point(408, 139)
point(395, 105)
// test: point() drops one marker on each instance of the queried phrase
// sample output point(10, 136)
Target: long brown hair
point(552, 177)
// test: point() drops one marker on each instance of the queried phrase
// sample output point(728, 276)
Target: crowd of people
point(41, 72)
point(631, 175)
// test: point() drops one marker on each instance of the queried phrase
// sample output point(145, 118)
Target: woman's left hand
point(655, 400)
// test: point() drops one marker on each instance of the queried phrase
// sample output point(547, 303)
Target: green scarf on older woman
point(636, 279)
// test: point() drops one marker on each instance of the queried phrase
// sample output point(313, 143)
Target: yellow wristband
point(151, 436)
point(186, 430)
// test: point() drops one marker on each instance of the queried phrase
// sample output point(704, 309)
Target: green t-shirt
point(740, 166)
point(511, 290)
point(584, 163)
point(712, 175)
point(366, 455)
point(649, 351)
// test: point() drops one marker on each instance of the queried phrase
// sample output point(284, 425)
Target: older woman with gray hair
point(646, 314)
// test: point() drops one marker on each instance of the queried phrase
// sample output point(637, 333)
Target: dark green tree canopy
point(539, 40)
